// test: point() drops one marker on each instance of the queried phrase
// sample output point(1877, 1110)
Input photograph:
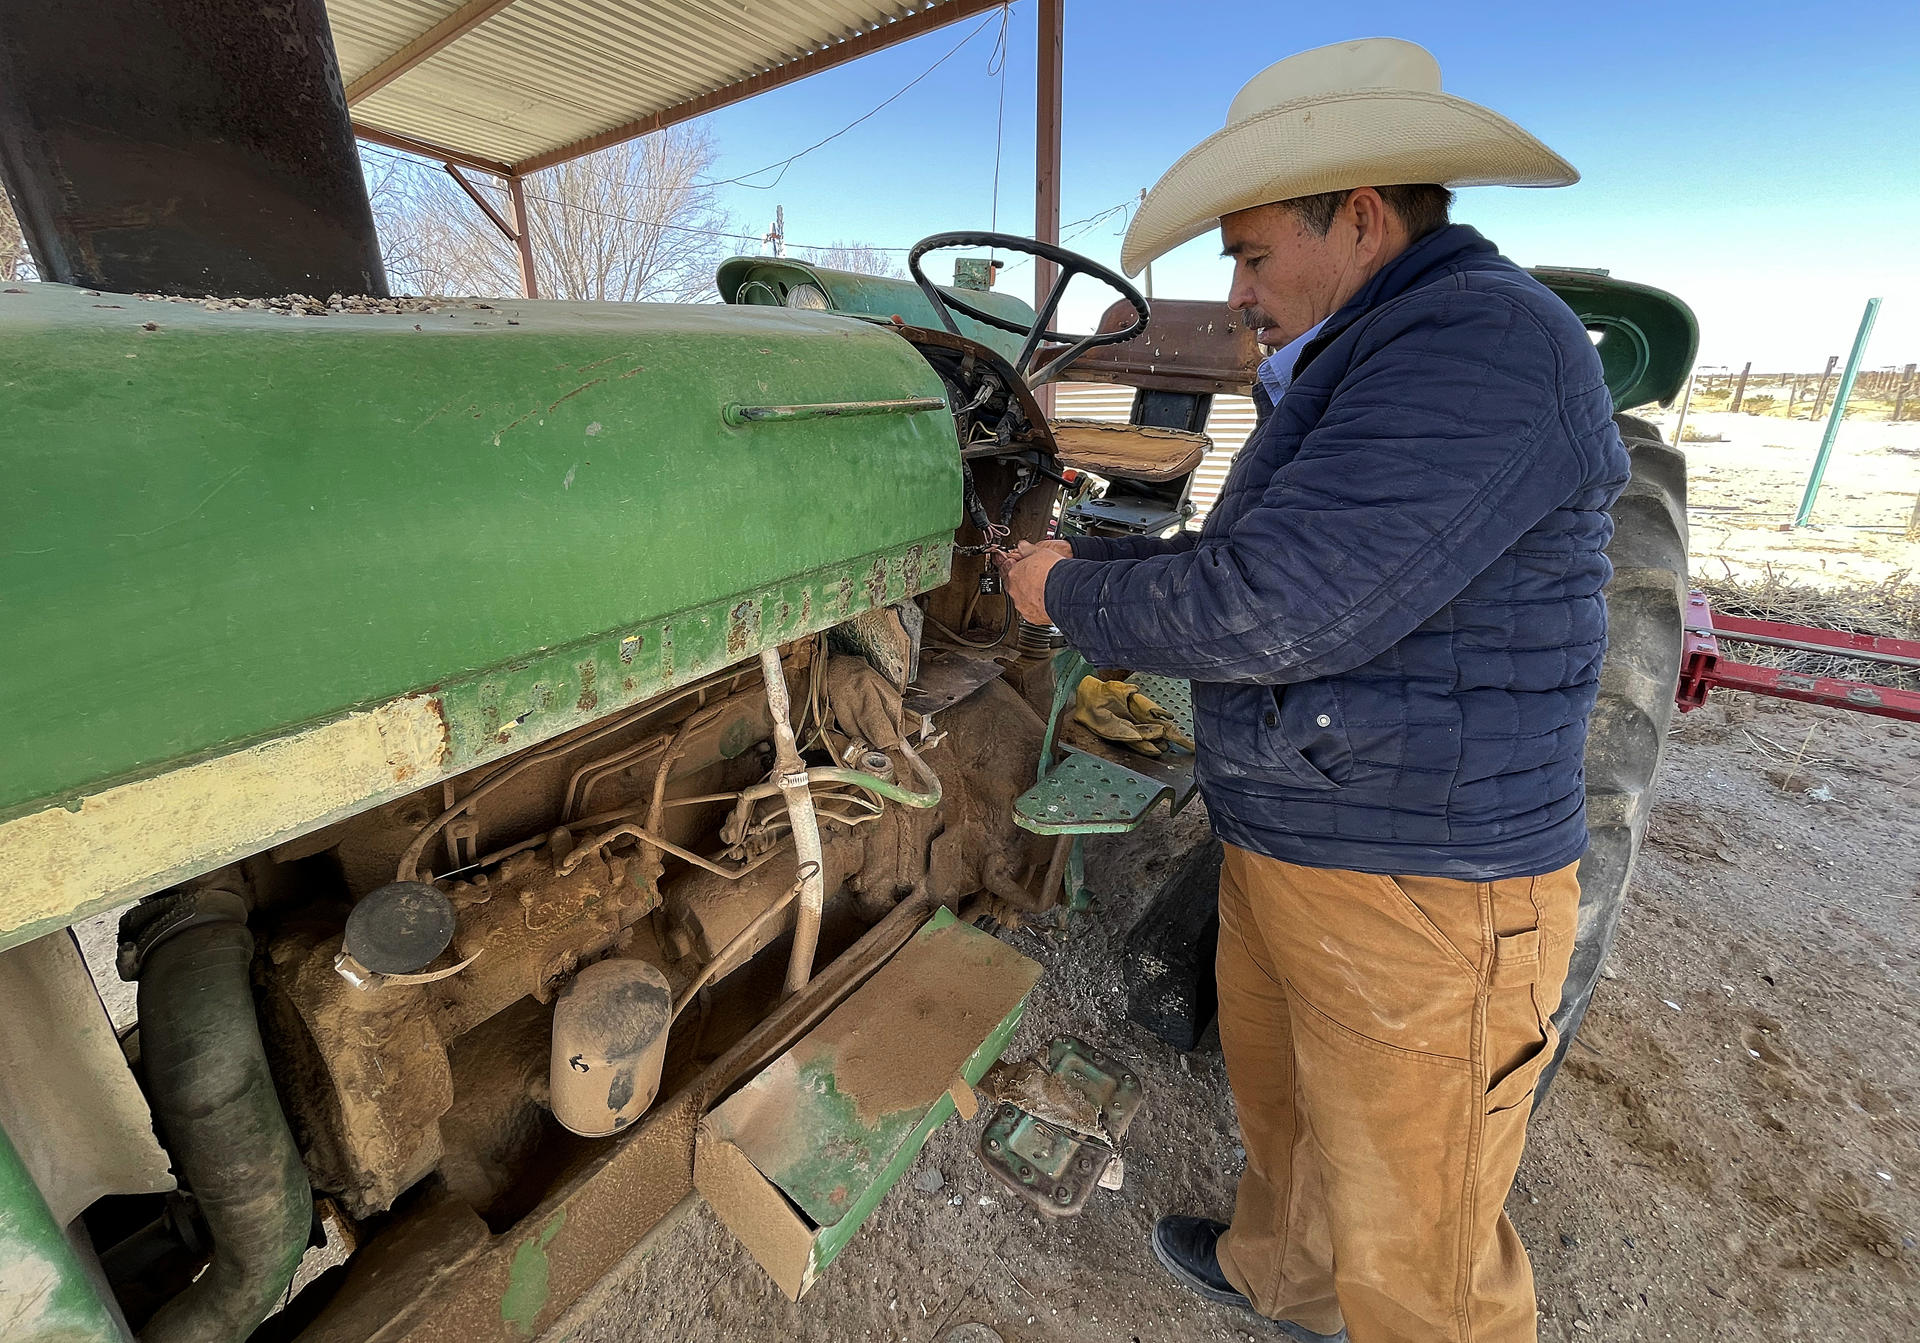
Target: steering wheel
point(1070, 263)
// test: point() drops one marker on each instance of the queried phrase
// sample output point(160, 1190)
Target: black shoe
point(1185, 1246)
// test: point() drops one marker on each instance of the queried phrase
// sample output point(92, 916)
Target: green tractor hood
point(299, 564)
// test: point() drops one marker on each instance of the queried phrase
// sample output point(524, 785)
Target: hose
point(792, 774)
point(872, 783)
point(215, 1106)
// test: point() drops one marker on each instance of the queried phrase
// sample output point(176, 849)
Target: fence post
point(1839, 411)
point(1740, 392)
point(1679, 425)
point(1900, 397)
point(1820, 397)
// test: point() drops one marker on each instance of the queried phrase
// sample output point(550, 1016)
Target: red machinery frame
point(1703, 668)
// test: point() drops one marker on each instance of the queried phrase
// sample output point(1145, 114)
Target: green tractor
point(503, 727)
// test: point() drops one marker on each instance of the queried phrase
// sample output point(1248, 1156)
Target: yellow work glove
point(1101, 708)
point(1143, 710)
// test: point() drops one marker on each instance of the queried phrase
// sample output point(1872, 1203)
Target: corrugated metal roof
point(1228, 424)
point(525, 82)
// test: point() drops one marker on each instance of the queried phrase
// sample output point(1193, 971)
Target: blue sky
point(1760, 160)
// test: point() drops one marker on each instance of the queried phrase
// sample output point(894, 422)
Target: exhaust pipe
point(216, 1109)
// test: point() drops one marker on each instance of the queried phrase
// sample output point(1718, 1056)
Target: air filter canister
point(609, 1041)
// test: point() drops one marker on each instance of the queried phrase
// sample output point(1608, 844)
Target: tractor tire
point(1627, 738)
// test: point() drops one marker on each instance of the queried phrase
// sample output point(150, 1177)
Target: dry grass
point(1890, 608)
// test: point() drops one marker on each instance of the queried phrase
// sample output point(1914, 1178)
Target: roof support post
point(1048, 69)
point(523, 236)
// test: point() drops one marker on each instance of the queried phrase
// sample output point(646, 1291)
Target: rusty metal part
point(736, 949)
point(523, 1280)
point(186, 147)
point(1060, 1115)
point(500, 782)
point(1190, 346)
point(609, 1044)
point(369, 1071)
point(709, 918)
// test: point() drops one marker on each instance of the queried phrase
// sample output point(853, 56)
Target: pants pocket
point(1520, 1035)
point(1516, 1087)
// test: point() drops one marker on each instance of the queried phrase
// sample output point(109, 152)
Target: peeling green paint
point(527, 1279)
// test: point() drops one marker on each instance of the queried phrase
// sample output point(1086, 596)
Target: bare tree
point(631, 223)
point(857, 256)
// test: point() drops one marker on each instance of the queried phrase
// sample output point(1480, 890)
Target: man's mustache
point(1258, 319)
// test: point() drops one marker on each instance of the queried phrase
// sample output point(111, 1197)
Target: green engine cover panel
point(220, 525)
point(762, 280)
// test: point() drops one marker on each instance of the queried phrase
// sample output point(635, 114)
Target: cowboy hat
point(1354, 114)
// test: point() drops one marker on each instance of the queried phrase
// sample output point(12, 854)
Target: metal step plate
point(1088, 795)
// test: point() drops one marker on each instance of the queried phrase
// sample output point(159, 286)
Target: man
point(1393, 624)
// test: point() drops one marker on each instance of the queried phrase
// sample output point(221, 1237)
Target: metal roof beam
point(442, 35)
point(878, 39)
point(427, 150)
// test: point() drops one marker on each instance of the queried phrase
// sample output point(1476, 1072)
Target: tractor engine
point(653, 841)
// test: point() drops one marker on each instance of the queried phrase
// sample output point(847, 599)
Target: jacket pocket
point(1292, 736)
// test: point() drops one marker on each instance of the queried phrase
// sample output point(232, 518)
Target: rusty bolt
point(1062, 1194)
point(1086, 1163)
point(993, 1144)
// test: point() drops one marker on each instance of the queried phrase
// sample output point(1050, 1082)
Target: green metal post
point(1839, 412)
point(48, 1296)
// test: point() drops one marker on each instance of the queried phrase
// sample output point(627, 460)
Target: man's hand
point(1025, 573)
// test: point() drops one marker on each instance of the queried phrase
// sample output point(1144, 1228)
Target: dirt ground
point(1745, 488)
point(1731, 1152)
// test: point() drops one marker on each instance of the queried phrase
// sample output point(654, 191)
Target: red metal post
point(1049, 67)
point(529, 280)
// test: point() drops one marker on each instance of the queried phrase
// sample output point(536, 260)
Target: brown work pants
point(1383, 1036)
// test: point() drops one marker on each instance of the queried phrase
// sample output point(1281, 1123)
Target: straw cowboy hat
point(1354, 114)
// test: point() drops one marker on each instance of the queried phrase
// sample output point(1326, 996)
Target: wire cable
point(791, 159)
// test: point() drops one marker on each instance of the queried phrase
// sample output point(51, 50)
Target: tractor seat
point(1128, 451)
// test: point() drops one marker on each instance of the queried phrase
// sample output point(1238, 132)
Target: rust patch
point(743, 626)
point(845, 595)
point(403, 771)
point(876, 585)
point(589, 697)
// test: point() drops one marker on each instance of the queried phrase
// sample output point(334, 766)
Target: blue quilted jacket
point(1393, 618)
